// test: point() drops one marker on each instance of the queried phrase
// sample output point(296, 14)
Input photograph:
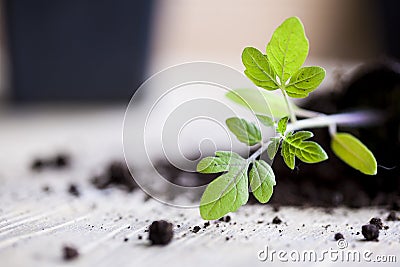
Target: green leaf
point(294, 145)
point(266, 120)
point(304, 81)
point(349, 149)
point(261, 102)
point(282, 124)
point(222, 161)
point(262, 181)
point(246, 132)
point(226, 193)
point(273, 147)
point(258, 69)
point(288, 48)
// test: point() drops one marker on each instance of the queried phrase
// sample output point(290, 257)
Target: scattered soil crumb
point(225, 219)
point(160, 232)
point(58, 161)
point(46, 189)
point(326, 226)
point(70, 253)
point(73, 190)
point(392, 216)
point(377, 222)
point(126, 239)
point(370, 232)
point(196, 229)
point(276, 220)
point(206, 224)
point(276, 208)
point(260, 221)
point(116, 175)
point(227, 238)
point(140, 237)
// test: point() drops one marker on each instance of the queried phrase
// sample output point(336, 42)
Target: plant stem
point(358, 118)
point(289, 106)
point(259, 151)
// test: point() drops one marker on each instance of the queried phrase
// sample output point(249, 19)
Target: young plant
point(279, 69)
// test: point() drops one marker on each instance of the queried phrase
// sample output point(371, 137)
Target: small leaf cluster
point(281, 66)
point(230, 190)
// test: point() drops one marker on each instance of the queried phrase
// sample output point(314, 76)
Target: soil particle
point(276, 208)
point(160, 232)
point(338, 236)
point(370, 232)
point(140, 237)
point(70, 253)
point(46, 189)
point(37, 164)
point(392, 216)
point(276, 220)
point(73, 190)
point(206, 224)
point(58, 161)
point(225, 219)
point(61, 160)
point(377, 222)
point(116, 175)
point(126, 239)
point(196, 229)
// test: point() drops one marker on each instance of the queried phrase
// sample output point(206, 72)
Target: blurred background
point(85, 51)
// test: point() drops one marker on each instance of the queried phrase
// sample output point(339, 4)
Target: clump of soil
point(58, 161)
point(276, 220)
point(226, 218)
point(392, 216)
point(370, 232)
point(116, 175)
point(377, 222)
point(160, 232)
point(70, 253)
point(338, 236)
point(73, 190)
point(196, 229)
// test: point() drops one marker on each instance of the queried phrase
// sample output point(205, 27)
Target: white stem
point(359, 118)
point(259, 151)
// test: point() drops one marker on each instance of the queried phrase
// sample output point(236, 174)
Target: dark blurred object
point(59, 161)
point(389, 10)
point(77, 50)
point(116, 175)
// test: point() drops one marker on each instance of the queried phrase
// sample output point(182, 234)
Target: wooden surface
point(34, 225)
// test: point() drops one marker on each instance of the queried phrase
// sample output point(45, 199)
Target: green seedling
point(280, 68)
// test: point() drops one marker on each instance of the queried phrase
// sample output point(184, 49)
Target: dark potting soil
point(116, 175)
point(392, 216)
point(338, 236)
point(370, 232)
point(58, 161)
point(70, 253)
point(73, 190)
point(377, 222)
point(276, 220)
point(160, 232)
point(196, 229)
